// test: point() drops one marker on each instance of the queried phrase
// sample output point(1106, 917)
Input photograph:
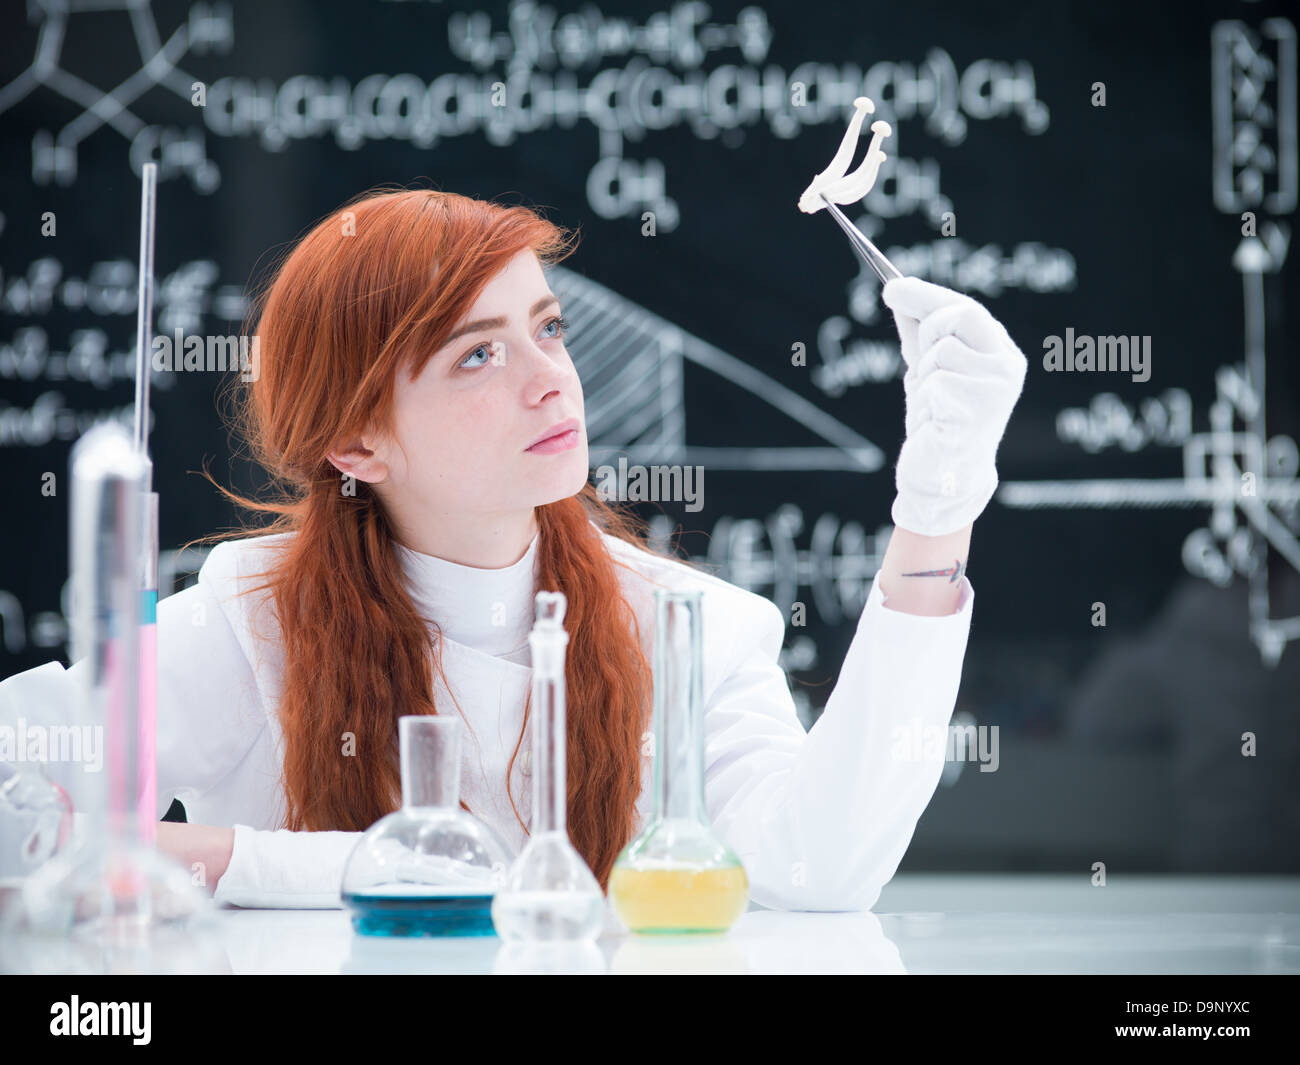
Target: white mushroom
point(833, 183)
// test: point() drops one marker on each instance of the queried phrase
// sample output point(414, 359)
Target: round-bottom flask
point(677, 878)
point(430, 868)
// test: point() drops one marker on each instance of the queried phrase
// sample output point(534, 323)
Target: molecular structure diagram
point(208, 28)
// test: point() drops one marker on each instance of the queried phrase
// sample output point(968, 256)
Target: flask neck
point(548, 731)
point(430, 758)
point(677, 753)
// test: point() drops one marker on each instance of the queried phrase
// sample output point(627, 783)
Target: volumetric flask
point(430, 868)
point(550, 894)
point(677, 876)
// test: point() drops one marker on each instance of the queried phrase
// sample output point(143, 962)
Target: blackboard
point(1101, 169)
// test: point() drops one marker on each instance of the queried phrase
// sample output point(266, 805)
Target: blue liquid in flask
point(428, 912)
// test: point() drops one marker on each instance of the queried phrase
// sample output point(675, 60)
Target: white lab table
point(923, 923)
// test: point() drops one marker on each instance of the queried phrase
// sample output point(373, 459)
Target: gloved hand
point(964, 375)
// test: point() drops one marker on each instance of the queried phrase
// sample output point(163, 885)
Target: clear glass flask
point(430, 868)
point(35, 824)
point(550, 893)
point(677, 876)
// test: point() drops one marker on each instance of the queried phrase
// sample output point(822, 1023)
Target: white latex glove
point(964, 375)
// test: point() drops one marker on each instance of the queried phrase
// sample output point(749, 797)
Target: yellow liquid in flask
point(678, 900)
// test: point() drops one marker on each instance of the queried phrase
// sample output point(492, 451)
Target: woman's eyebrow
point(497, 323)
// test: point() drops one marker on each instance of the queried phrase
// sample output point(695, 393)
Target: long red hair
point(382, 281)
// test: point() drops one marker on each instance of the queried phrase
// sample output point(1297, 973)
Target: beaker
point(677, 876)
point(429, 868)
point(550, 893)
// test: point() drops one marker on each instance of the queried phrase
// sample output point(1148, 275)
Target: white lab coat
point(820, 818)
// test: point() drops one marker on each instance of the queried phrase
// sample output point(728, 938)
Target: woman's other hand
point(200, 848)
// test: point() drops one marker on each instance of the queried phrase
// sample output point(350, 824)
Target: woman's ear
point(361, 458)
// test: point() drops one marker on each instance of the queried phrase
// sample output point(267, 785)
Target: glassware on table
point(550, 893)
point(430, 868)
point(111, 888)
point(35, 824)
point(677, 876)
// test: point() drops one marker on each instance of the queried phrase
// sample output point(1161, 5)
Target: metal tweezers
point(873, 256)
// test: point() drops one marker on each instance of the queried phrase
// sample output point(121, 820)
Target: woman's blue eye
point(481, 347)
point(560, 322)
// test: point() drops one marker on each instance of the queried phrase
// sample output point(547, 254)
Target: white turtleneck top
point(490, 610)
point(820, 818)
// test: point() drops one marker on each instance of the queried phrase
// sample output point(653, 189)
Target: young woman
point(416, 401)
